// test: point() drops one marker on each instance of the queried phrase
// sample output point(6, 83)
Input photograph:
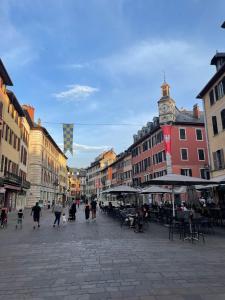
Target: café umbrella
point(121, 189)
point(178, 180)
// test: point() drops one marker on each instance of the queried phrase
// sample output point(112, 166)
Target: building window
point(182, 134)
point(220, 90)
point(2, 163)
point(186, 172)
point(218, 158)
point(201, 154)
point(211, 97)
point(223, 118)
point(204, 174)
point(199, 135)
point(184, 154)
point(214, 123)
point(6, 132)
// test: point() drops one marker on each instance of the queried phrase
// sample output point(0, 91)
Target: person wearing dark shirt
point(3, 217)
point(36, 212)
point(19, 218)
point(73, 210)
point(93, 209)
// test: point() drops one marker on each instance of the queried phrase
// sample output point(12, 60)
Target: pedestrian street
point(101, 260)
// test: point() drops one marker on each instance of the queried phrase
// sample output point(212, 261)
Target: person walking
point(93, 208)
point(36, 212)
point(87, 210)
point(20, 217)
point(78, 203)
point(73, 210)
point(57, 209)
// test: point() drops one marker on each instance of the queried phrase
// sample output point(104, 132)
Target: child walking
point(64, 219)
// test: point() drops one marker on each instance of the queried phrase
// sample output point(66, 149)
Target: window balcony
point(12, 178)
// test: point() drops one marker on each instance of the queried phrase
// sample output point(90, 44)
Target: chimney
point(196, 111)
point(30, 110)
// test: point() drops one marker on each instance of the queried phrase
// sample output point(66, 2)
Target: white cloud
point(76, 92)
point(151, 56)
point(86, 148)
point(76, 66)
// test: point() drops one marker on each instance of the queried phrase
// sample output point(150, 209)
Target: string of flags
point(68, 138)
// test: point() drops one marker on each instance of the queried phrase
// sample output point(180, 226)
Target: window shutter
point(223, 118)
point(211, 97)
point(1, 107)
point(216, 92)
point(215, 161)
point(223, 82)
point(190, 172)
point(222, 158)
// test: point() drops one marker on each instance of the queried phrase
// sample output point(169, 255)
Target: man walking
point(57, 209)
point(93, 208)
point(36, 212)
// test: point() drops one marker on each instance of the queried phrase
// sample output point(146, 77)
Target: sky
point(102, 62)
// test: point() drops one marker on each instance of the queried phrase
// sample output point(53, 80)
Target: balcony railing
point(15, 179)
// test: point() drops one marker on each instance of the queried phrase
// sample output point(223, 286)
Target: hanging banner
point(68, 137)
point(166, 129)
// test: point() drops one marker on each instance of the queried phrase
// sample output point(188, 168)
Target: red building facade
point(175, 142)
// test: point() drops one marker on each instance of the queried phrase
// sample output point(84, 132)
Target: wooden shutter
point(216, 92)
point(215, 161)
point(222, 158)
point(223, 82)
point(211, 97)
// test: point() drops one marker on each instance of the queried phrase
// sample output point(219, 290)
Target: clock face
point(164, 108)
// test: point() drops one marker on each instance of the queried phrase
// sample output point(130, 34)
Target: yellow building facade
point(14, 139)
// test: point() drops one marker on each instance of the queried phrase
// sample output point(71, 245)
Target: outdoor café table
point(193, 228)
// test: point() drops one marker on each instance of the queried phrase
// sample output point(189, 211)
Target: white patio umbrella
point(155, 190)
point(121, 189)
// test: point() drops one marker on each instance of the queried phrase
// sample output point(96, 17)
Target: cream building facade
point(47, 166)
point(213, 95)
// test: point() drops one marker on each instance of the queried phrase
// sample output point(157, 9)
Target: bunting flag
point(68, 137)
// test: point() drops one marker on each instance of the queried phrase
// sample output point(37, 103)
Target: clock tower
point(166, 105)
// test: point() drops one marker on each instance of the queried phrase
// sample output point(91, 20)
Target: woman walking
point(87, 211)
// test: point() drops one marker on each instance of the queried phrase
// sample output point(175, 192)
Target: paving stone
point(102, 261)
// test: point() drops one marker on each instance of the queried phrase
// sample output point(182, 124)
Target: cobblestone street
point(99, 260)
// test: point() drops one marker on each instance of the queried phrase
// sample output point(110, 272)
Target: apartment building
point(14, 139)
point(47, 165)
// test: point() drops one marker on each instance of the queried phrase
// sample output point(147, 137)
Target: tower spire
point(165, 87)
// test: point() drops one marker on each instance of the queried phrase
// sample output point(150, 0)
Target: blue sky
point(102, 61)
